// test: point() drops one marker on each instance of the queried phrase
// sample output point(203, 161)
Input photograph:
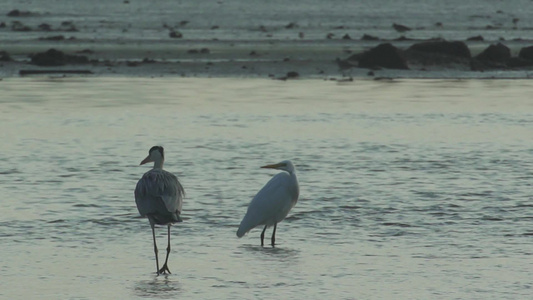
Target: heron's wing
point(159, 192)
point(271, 204)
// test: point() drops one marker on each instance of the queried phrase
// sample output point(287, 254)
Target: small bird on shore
point(273, 202)
point(159, 197)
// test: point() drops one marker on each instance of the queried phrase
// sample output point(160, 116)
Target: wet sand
point(254, 39)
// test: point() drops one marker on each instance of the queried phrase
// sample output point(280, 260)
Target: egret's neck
point(296, 188)
point(158, 164)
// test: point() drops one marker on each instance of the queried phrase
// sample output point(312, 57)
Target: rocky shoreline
point(59, 52)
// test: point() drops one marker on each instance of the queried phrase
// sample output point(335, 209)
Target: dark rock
point(175, 35)
point(52, 38)
point(476, 65)
point(292, 74)
point(384, 55)
point(346, 37)
point(54, 57)
point(526, 53)
point(498, 53)
point(18, 13)
point(193, 51)
point(183, 23)
point(34, 72)
point(367, 37)
point(400, 28)
point(475, 38)
point(205, 51)
point(51, 57)
point(45, 27)
point(85, 51)
point(18, 26)
point(456, 48)
point(13, 13)
point(438, 24)
point(439, 54)
point(518, 62)
point(329, 36)
point(147, 60)
point(291, 25)
point(67, 26)
point(215, 27)
point(3, 25)
point(355, 57)
point(4, 56)
point(403, 38)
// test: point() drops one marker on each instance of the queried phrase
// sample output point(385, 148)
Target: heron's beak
point(146, 160)
point(274, 166)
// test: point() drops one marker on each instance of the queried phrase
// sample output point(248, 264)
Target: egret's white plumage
point(159, 197)
point(273, 202)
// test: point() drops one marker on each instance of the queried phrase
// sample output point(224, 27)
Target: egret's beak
point(274, 166)
point(146, 160)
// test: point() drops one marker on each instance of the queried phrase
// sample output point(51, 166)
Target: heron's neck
point(158, 164)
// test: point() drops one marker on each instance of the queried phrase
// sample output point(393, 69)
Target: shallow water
point(240, 20)
point(412, 189)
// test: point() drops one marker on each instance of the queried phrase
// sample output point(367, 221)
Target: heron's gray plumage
point(159, 196)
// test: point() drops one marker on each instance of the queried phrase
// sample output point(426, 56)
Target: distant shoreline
point(260, 39)
point(260, 59)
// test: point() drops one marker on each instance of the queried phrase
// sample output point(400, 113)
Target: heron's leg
point(155, 249)
point(165, 267)
point(263, 235)
point(274, 234)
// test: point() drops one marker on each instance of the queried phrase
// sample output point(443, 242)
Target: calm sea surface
point(414, 189)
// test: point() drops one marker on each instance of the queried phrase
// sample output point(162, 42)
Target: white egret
point(273, 202)
point(159, 197)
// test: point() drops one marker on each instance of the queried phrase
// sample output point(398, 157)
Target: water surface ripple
point(409, 189)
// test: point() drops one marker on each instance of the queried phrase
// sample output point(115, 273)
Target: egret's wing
point(271, 204)
point(159, 192)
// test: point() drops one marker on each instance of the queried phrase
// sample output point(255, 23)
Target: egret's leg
point(165, 267)
point(155, 249)
point(274, 234)
point(263, 235)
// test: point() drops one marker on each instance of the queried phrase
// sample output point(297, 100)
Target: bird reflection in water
point(159, 287)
